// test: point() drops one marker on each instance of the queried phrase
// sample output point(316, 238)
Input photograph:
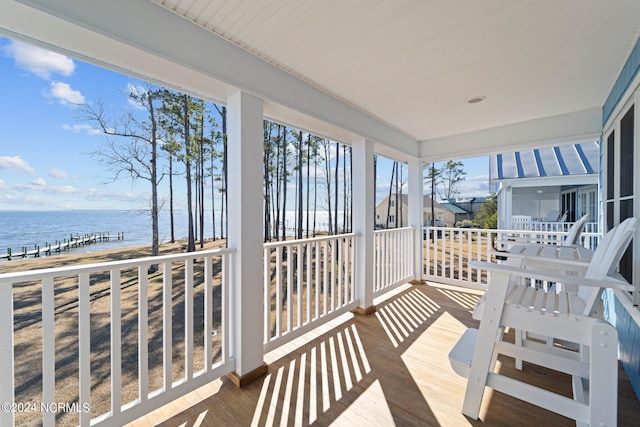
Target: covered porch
point(417, 106)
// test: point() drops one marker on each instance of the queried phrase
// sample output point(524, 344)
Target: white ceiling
point(414, 64)
point(398, 73)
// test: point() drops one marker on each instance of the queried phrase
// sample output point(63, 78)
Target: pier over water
point(74, 241)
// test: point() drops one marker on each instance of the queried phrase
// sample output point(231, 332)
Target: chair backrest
point(573, 236)
point(605, 260)
point(552, 216)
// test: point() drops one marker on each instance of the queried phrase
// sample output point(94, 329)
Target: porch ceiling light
point(476, 99)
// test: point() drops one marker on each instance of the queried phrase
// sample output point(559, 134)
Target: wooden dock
point(60, 246)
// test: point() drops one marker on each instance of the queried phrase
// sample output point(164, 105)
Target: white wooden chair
point(564, 316)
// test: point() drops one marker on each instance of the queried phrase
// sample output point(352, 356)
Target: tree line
point(163, 134)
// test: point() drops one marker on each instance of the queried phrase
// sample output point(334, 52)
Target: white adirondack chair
point(564, 316)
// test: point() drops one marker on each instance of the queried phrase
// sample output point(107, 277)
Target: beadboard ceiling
point(415, 64)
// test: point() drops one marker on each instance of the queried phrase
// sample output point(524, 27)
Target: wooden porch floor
point(389, 368)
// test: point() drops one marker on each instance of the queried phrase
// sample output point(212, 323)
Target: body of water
point(29, 228)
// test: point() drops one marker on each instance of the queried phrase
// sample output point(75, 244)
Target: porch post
point(363, 222)
point(244, 189)
point(416, 212)
point(505, 199)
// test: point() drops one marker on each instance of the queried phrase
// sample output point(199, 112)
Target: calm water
point(28, 228)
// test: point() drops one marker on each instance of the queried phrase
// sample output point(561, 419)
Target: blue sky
point(45, 161)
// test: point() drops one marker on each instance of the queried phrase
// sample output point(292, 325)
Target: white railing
point(520, 223)
point(306, 283)
point(393, 259)
point(587, 239)
point(446, 251)
point(113, 340)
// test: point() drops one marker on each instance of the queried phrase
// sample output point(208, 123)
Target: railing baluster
point(299, 276)
point(84, 347)
point(225, 312)
point(347, 267)
point(278, 291)
point(267, 294)
point(7, 353)
point(48, 350)
point(309, 264)
point(317, 283)
point(333, 278)
point(340, 266)
point(290, 258)
point(378, 261)
point(325, 275)
point(143, 325)
point(208, 312)
point(116, 344)
point(167, 324)
point(188, 319)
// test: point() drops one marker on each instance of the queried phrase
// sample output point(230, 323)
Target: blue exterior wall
point(628, 336)
point(615, 312)
point(626, 76)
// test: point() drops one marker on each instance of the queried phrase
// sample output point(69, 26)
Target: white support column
point(244, 187)
point(416, 212)
point(363, 223)
point(505, 200)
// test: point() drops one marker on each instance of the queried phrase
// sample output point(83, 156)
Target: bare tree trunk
point(266, 160)
point(393, 171)
point(336, 173)
point(201, 187)
point(191, 244)
point(327, 169)
point(299, 231)
point(171, 219)
point(284, 182)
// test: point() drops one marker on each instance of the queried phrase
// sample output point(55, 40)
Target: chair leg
point(483, 354)
point(520, 337)
point(603, 376)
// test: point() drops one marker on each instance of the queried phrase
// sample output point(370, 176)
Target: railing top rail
point(104, 266)
point(311, 239)
point(550, 233)
point(391, 230)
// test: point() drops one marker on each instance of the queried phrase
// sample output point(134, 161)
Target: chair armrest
point(607, 282)
point(558, 263)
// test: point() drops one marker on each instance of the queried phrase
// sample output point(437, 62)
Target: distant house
point(391, 214)
point(463, 208)
point(547, 184)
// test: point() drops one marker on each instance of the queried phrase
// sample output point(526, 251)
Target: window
point(619, 188)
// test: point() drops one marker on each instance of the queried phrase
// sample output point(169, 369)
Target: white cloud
point(137, 90)
point(40, 185)
point(76, 128)
point(64, 94)
point(39, 61)
point(15, 162)
point(57, 173)
point(3, 186)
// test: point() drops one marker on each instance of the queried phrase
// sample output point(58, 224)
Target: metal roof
point(573, 159)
